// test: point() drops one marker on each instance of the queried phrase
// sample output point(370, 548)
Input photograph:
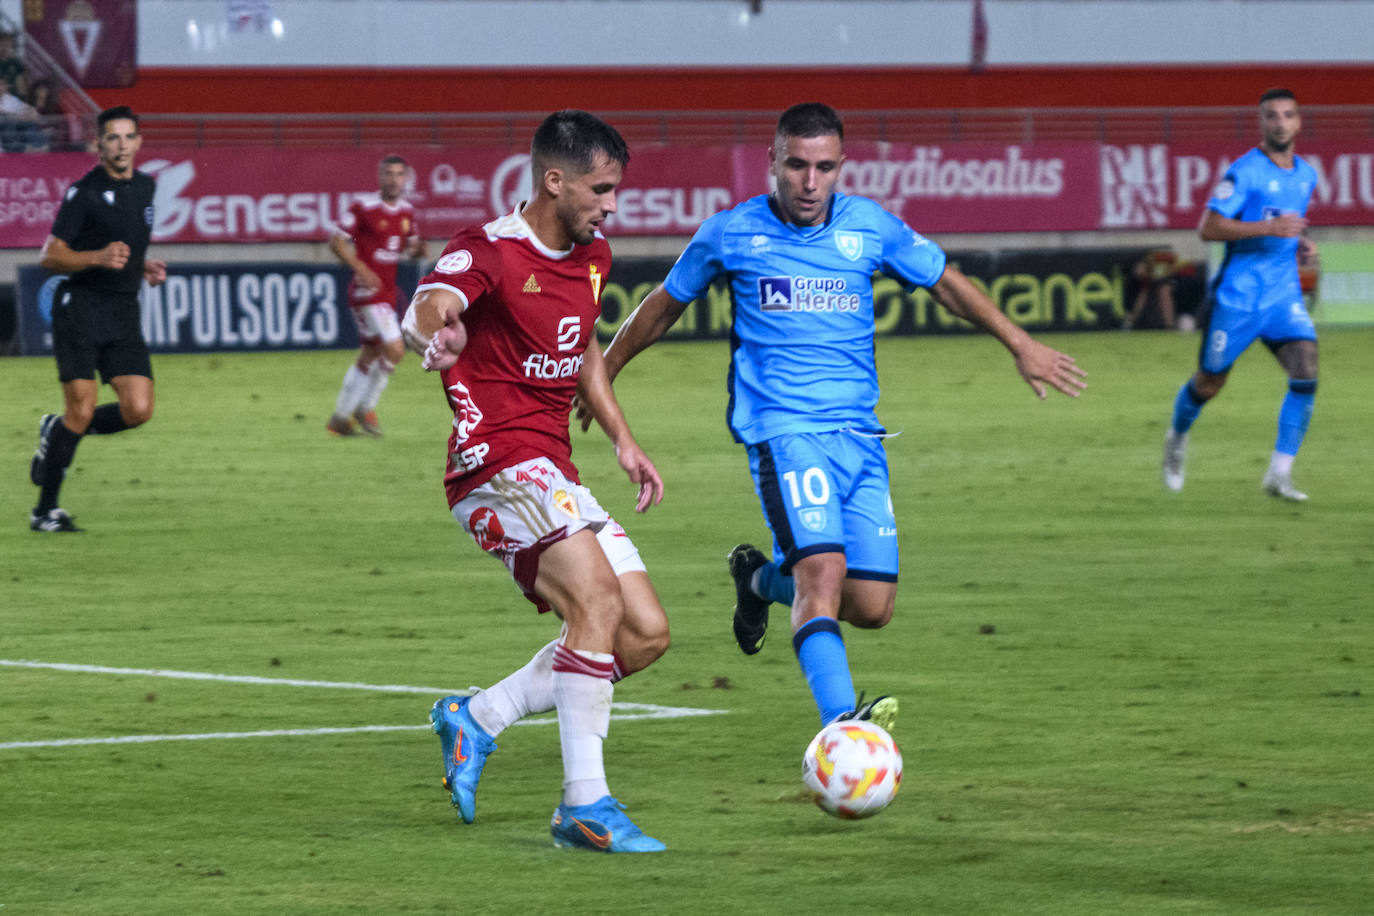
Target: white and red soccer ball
point(852, 769)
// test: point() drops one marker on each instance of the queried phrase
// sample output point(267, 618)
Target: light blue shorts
point(828, 493)
point(1231, 330)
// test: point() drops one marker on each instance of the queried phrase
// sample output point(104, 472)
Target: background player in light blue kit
point(1260, 211)
point(803, 387)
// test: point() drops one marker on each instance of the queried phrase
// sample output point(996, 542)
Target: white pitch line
point(650, 712)
point(225, 678)
point(629, 711)
point(148, 739)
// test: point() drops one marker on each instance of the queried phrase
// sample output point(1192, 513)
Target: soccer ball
point(852, 769)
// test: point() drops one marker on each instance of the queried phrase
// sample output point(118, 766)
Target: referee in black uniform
point(99, 240)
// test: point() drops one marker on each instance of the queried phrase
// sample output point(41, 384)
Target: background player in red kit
point(371, 238)
point(527, 287)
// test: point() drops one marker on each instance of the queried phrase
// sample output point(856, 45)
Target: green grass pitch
point(1115, 700)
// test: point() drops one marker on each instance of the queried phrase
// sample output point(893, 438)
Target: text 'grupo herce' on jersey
point(807, 294)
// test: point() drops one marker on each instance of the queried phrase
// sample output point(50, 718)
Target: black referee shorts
point(97, 331)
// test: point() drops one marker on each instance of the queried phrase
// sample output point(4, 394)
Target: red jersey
point(380, 233)
point(530, 314)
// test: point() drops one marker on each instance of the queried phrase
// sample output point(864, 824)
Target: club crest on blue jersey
point(849, 244)
point(813, 519)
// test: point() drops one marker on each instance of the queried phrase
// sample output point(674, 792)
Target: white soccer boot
point(1281, 485)
point(1175, 451)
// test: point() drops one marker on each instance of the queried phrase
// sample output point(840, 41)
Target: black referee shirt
point(98, 210)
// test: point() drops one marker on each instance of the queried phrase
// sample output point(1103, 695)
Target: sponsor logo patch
point(455, 262)
point(806, 294)
point(486, 528)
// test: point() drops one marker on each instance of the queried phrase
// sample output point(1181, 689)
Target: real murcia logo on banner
point(80, 32)
point(850, 244)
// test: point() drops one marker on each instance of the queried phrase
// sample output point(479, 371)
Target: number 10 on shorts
point(814, 488)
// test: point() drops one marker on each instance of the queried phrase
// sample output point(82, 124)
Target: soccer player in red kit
point(371, 238)
point(519, 298)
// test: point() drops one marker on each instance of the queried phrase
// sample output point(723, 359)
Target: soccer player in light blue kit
point(1260, 211)
point(803, 388)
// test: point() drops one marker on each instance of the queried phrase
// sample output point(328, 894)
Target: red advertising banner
point(1166, 185)
point(266, 194)
point(31, 189)
point(966, 187)
point(96, 41)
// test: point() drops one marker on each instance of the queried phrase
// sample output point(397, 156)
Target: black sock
point(107, 419)
point(62, 444)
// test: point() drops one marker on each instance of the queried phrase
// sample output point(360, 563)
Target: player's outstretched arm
point(1037, 363)
point(595, 396)
point(646, 324)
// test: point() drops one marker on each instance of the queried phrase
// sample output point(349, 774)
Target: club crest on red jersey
point(595, 276)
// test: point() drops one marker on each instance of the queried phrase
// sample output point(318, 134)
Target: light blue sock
point(1295, 414)
point(774, 586)
point(1186, 407)
point(820, 651)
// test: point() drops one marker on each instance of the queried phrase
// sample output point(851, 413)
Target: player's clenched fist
point(445, 346)
point(114, 256)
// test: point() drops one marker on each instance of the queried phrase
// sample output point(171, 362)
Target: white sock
point(1281, 464)
point(378, 374)
point(582, 692)
point(352, 392)
point(519, 694)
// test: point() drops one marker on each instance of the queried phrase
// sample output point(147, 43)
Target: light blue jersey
point(802, 344)
point(1263, 271)
point(1256, 293)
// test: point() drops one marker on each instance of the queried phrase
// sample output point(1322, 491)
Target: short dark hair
point(810, 119)
point(573, 138)
point(392, 160)
point(117, 113)
point(1278, 92)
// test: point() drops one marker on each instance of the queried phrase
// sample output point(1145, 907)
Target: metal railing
point(75, 126)
point(705, 128)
